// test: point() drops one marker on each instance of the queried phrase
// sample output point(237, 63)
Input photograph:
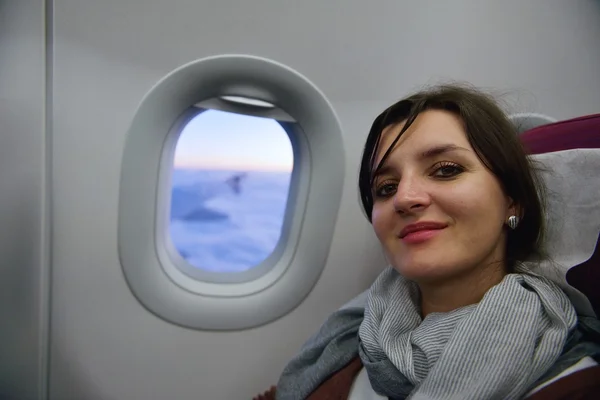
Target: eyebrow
point(441, 149)
point(429, 153)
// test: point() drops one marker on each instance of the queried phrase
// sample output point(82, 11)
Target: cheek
point(476, 206)
point(382, 222)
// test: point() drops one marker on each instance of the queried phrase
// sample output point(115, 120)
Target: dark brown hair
point(495, 141)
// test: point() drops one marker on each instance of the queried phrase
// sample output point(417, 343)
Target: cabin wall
point(107, 54)
point(23, 238)
point(363, 55)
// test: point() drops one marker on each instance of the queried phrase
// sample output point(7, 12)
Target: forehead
point(430, 128)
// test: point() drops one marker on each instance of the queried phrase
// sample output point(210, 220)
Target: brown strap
point(338, 386)
point(580, 385)
point(268, 395)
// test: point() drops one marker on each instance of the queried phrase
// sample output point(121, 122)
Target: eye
point(447, 170)
point(385, 189)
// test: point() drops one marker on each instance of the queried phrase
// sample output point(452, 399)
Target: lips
point(421, 226)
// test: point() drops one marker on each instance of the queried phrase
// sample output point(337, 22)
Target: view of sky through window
point(230, 185)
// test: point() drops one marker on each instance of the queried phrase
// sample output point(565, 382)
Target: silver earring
point(513, 221)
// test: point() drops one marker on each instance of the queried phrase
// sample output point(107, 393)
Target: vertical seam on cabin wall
point(46, 232)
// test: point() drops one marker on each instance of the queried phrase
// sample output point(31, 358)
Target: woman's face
point(434, 185)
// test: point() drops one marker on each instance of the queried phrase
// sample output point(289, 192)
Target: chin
point(421, 270)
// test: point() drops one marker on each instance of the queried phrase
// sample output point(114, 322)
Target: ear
point(514, 209)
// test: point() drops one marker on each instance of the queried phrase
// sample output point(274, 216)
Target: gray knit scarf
point(522, 331)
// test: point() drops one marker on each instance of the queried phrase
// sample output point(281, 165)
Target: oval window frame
point(320, 167)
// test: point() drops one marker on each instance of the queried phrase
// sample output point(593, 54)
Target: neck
point(459, 291)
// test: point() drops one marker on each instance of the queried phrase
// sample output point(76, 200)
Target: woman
point(456, 205)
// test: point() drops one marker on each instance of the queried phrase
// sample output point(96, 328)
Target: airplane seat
point(578, 186)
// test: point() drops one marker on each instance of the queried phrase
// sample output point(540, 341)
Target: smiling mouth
point(421, 226)
point(421, 236)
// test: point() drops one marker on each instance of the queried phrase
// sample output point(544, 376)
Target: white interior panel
point(362, 55)
point(23, 239)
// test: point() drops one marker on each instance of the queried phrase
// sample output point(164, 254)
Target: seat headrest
point(570, 152)
point(577, 133)
point(526, 121)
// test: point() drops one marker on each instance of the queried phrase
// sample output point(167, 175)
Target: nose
point(411, 195)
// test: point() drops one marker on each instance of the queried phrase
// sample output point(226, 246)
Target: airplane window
point(230, 184)
point(231, 180)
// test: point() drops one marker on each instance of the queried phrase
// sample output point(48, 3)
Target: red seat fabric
point(576, 133)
